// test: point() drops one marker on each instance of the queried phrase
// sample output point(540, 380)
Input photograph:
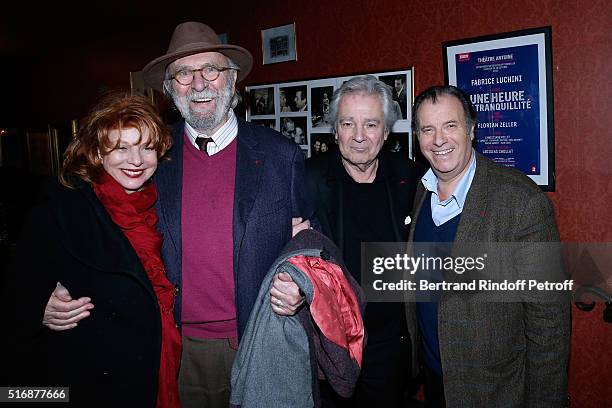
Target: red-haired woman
point(95, 233)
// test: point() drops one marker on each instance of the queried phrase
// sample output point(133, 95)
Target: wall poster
point(509, 80)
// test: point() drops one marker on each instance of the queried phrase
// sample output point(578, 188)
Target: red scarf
point(135, 215)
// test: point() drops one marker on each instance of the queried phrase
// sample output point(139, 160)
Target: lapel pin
point(408, 220)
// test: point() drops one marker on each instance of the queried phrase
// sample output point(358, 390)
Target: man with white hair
point(230, 198)
point(364, 194)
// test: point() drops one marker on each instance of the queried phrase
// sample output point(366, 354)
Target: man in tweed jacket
point(494, 354)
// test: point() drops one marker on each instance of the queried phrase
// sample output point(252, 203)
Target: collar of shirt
point(220, 139)
point(442, 211)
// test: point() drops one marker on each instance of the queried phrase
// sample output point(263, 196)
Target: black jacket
point(324, 184)
point(112, 357)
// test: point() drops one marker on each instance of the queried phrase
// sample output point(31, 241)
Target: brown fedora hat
point(192, 38)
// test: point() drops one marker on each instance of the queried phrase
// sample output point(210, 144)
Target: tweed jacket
point(511, 354)
point(268, 193)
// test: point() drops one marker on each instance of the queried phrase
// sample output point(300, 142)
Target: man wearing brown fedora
point(229, 199)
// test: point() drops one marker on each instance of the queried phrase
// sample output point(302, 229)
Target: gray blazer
point(511, 354)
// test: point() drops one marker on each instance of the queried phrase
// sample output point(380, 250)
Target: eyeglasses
point(208, 72)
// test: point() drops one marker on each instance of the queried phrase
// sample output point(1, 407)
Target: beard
point(205, 122)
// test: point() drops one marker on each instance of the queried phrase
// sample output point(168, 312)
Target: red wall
point(348, 36)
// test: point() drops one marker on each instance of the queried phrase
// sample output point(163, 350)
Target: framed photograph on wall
point(301, 110)
point(320, 99)
point(321, 143)
point(278, 44)
point(508, 77)
point(402, 88)
point(294, 128)
point(262, 101)
point(293, 99)
point(397, 82)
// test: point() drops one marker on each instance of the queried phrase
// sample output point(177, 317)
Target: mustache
point(205, 93)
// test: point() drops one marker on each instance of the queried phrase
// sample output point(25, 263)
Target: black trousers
point(384, 379)
point(434, 389)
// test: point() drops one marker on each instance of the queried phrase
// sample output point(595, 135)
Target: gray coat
point(280, 357)
point(511, 354)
